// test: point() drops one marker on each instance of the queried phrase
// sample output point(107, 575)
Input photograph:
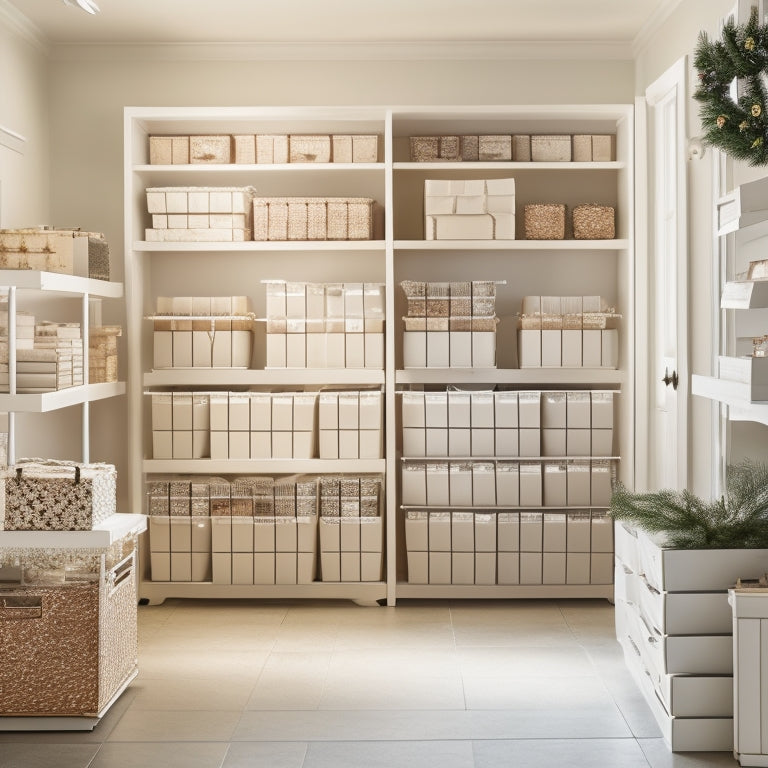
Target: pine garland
point(739, 520)
point(740, 127)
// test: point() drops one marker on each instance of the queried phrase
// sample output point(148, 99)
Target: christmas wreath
point(733, 89)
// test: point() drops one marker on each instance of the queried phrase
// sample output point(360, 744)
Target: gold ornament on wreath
point(733, 89)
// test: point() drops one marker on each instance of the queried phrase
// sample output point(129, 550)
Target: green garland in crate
point(739, 520)
point(739, 128)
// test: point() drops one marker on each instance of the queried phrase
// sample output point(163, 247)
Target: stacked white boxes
point(482, 504)
point(350, 424)
point(254, 530)
point(450, 325)
point(567, 332)
point(202, 332)
point(481, 209)
point(674, 624)
point(325, 325)
point(200, 214)
point(351, 528)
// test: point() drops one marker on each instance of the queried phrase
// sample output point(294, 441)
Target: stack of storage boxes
point(267, 425)
point(319, 325)
point(102, 353)
point(351, 528)
point(675, 625)
point(313, 218)
point(200, 214)
point(567, 332)
point(202, 332)
point(450, 325)
point(466, 482)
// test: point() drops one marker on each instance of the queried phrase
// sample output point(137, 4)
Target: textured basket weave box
point(58, 496)
point(309, 149)
point(168, 150)
point(357, 148)
point(425, 149)
point(551, 149)
point(244, 149)
point(210, 149)
point(308, 218)
point(494, 148)
point(271, 148)
point(594, 222)
point(69, 648)
point(521, 148)
point(544, 221)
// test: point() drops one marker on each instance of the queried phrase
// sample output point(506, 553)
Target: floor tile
point(290, 681)
point(192, 693)
point(168, 755)
point(265, 755)
point(398, 691)
point(185, 663)
point(563, 753)
point(556, 662)
point(176, 725)
point(51, 755)
point(385, 754)
point(658, 756)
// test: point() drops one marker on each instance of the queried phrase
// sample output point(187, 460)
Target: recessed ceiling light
point(89, 6)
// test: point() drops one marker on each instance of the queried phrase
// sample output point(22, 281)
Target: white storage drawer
point(684, 613)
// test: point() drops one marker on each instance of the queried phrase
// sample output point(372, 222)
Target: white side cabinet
point(750, 676)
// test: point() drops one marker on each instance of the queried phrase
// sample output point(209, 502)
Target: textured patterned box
point(58, 495)
point(551, 149)
point(594, 222)
point(426, 149)
point(210, 149)
point(69, 648)
point(544, 221)
point(312, 218)
point(309, 149)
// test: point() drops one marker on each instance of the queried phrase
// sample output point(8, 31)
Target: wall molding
point(411, 51)
point(17, 22)
point(12, 140)
point(652, 26)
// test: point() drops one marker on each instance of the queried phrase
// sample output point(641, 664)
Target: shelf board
point(511, 245)
point(528, 376)
point(262, 466)
point(364, 592)
point(507, 165)
point(255, 246)
point(489, 509)
point(745, 294)
point(216, 377)
point(501, 591)
point(103, 535)
point(53, 281)
point(733, 394)
point(251, 168)
point(61, 398)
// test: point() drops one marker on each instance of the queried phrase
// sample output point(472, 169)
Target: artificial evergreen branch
point(739, 520)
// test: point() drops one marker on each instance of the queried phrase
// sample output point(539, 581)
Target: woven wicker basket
point(545, 221)
point(594, 222)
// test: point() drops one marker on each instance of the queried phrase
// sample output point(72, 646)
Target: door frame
point(673, 79)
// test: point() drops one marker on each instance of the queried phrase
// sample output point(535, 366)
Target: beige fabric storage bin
point(210, 149)
point(594, 222)
point(426, 149)
point(244, 149)
point(168, 150)
point(309, 149)
point(551, 149)
point(312, 218)
point(544, 221)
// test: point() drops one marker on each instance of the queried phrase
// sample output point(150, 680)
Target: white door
point(667, 281)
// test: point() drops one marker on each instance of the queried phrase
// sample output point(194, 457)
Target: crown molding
point(653, 24)
point(375, 51)
point(12, 140)
point(17, 22)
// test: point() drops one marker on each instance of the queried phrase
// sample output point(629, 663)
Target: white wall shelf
point(106, 533)
point(521, 376)
point(734, 394)
point(279, 377)
point(53, 281)
point(530, 267)
point(61, 398)
point(262, 466)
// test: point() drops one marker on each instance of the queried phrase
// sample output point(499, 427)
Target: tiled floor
point(335, 685)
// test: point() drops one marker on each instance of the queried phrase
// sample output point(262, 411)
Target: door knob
point(673, 379)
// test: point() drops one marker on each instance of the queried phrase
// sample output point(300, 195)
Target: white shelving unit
point(565, 267)
point(116, 527)
point(744, 307)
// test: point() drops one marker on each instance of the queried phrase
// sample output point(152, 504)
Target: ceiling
point(343, 21)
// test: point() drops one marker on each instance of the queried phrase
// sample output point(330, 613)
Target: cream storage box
point(481, 209)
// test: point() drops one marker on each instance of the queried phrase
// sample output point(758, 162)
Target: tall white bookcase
point(562, 267)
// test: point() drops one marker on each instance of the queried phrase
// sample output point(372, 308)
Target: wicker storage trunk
point(594, 222)
point(68, 648)
point(312, 218)
point(544, 221)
